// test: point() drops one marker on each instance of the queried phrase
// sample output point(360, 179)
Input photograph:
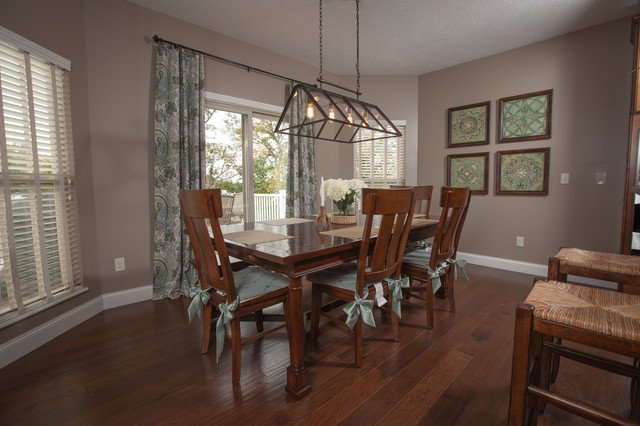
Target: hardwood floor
point(140, 364)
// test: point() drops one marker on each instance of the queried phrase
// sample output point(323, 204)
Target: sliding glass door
point(248, 161)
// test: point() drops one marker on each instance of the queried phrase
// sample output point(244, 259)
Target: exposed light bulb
point(332, 113)
point(310, 110)
point(349, 116)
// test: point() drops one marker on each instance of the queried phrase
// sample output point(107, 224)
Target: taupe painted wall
point(589, 73)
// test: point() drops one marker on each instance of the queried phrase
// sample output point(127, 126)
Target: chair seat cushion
point(341, 276)
point(255, 282)
point(594, 309)
point(607, 262)
point(418, 257)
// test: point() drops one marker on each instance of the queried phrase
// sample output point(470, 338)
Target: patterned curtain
point(301, 179)
point(179, 163)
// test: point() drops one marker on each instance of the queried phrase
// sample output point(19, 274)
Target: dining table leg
point(297, 375)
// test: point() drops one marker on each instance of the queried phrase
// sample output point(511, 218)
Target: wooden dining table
point(307, 251)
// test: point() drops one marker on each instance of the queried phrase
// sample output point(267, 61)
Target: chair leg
point(451, 290)
point(520, 366)
point(206, 328)
point(429, 304)
point(236, 351)
point(357, 330)
point(555, 363)
point(259, 321)
point(395, 323)
point(635, 397)
point(316, 306)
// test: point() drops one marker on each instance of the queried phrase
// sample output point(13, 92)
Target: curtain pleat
point(302, 196)
point(179, 163)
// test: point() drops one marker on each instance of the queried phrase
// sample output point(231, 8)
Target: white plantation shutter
point(380, 162)
point(39, 240)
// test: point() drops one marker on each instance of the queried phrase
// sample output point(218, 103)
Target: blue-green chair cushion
point(341, 276)
point(418, 257)
point(254, 282)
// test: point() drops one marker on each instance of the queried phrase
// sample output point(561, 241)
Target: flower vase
point(344, 214)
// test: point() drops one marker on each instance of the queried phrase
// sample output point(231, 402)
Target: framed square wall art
point(469, 171)
point(523, 172)
point(468, 125)
point(525, 117)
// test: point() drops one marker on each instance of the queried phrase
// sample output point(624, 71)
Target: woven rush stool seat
point(598, 318)
point(602, 311)
point(607, 262)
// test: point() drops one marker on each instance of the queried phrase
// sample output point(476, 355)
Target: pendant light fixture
point(314, 112)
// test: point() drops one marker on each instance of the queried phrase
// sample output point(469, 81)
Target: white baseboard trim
point(127, 297)
point(33, 339)
point(536, 269)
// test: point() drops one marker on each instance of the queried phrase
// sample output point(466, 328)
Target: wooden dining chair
point(423, 198)
point(591, 317)
point(252, 288)
point(351, 282)
point(422, 265)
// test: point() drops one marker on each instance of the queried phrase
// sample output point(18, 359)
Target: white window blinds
point(39, 240)
point(380, 162)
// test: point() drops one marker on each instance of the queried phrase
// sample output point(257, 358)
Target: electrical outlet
point(519, 241)
point(564, 178)
point(601, 178)
point(119, 263)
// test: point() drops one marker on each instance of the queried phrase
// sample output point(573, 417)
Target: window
point(246, 159)
point(380, 162)
point(39, 239)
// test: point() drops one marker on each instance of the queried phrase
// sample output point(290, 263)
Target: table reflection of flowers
point(343, 193)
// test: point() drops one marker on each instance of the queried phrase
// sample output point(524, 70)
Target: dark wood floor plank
point(141, 364)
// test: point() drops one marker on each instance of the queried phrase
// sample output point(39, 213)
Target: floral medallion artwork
point(468, 125)
point(525, 117)
point(469, 171)
point(523, 172)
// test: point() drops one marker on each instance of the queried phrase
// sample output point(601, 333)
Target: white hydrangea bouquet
point(343, 192)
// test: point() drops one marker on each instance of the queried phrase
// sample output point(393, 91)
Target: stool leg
point(545, 371)
point(553, 272)
point(520, 365)
point(635, 395)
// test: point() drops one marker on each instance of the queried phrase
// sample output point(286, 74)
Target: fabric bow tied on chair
point(199, 298)
point(395, 288)
point(226, 315)
point(360, 307)
point(435, 276)
point(458, 264)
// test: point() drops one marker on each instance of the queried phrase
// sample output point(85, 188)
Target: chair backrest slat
point(455, 204)
point(211, 257)
point(423, 197)
point(395, 206)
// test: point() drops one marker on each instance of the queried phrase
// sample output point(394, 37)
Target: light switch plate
point(601, 178)
point(564, 178)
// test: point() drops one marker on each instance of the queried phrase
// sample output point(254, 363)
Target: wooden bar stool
point(619, 268)
point(599, 318)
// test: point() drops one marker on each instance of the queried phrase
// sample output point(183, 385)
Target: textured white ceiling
point(397, 37)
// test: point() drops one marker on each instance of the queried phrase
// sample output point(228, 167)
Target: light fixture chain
point(321, 44)
point(358, 48)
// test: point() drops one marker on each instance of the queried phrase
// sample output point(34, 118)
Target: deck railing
point(269, 206)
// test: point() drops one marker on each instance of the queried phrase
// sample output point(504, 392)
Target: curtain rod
point(249, 68)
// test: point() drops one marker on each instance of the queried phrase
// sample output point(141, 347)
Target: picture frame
point(468, 125)
point(522, 172)
point(469, 171)
point(525, 117)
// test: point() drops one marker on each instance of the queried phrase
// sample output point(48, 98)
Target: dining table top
point(307, 240)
